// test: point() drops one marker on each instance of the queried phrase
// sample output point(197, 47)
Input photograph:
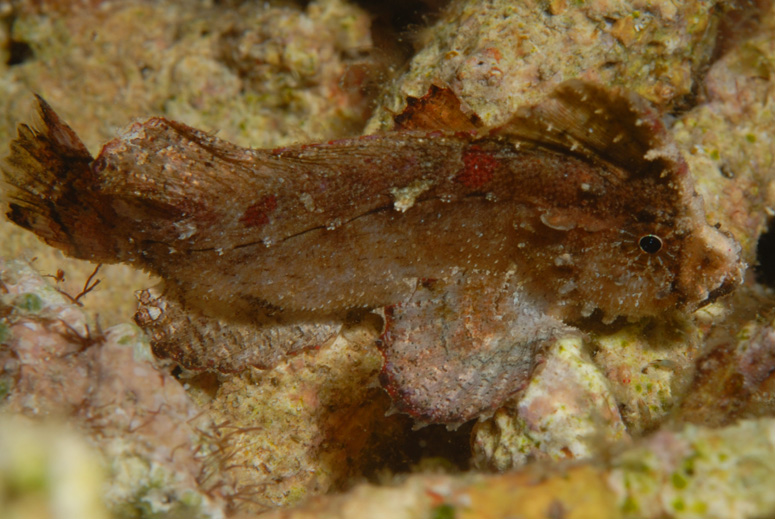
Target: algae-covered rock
point(56, 365)
point(695, 472)
point(735, 379)
point(204, 444)
point(498, 55)
point(47, 471)
point(567, 412)
point(728, 138)
point(699, 472)
point(307, 427)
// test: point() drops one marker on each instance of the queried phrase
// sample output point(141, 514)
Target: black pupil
point(650, 244)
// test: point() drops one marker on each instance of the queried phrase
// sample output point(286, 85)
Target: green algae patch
point(29, 302)
point(443, 511)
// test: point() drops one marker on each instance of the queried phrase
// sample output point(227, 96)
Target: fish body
point(482, 245)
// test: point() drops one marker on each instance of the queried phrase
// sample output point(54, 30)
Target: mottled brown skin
point(553, 206)
point(197, 341)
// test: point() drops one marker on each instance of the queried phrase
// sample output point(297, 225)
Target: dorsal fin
point(439, 109)
point(599, 124)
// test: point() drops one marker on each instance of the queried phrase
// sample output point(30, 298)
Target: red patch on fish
point(479, 168)
point(257, 215)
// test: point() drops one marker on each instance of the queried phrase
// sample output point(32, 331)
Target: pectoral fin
point(462, 346)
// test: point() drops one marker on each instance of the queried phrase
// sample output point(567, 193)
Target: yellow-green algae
point(301, 429)
point(567, 411)
point(648, 366)
point(48, 471)
point(700, 473)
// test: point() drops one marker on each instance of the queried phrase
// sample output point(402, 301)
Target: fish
point(481, 245)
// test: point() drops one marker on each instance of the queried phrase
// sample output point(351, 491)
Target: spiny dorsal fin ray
point(439, 109)
point(600, 124)
point(62, 137)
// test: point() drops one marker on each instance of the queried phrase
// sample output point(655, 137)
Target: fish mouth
point(719, 292)
point(729, 284)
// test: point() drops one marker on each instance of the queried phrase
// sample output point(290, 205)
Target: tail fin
point(51, 190)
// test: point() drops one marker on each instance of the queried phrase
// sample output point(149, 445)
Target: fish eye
point(650, 243)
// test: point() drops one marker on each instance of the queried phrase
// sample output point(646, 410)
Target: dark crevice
point(402, 15)
point(430, 448)
point(19, 52)
point(741, 20)
point(396, 25)
point(765, 257)
point(437, 442)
